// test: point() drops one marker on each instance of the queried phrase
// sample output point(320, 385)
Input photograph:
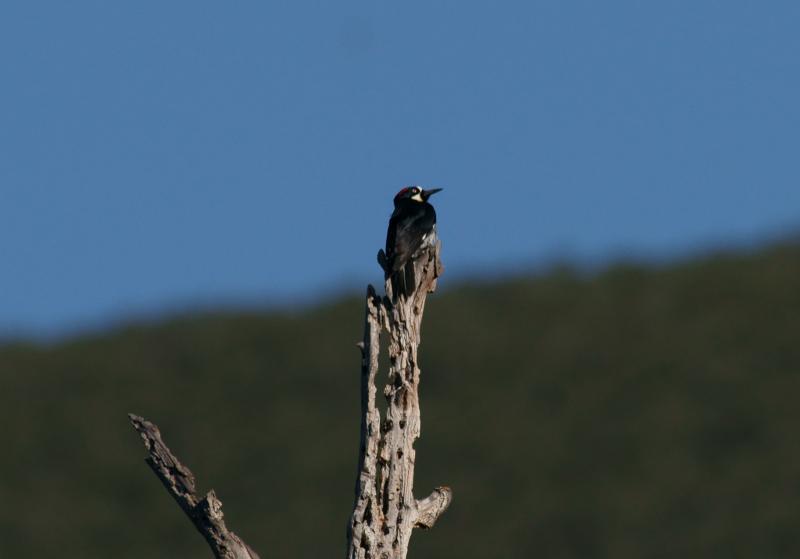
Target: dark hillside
point(640, 413)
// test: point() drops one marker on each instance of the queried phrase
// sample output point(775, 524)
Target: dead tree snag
point(385, 510)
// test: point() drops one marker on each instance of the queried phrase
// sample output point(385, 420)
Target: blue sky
point(163, 154)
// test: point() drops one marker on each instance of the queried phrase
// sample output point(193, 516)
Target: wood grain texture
point(206, 513)
point(385, 511)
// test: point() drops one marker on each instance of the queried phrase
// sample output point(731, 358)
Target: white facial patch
point(418, 197)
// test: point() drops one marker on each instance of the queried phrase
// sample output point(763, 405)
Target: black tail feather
point(409, 279)
point(404, 281)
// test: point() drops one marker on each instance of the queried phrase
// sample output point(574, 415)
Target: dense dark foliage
point(640, 413)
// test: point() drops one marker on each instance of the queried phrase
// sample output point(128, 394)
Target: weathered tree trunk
point(385, 510)
point(205, 513)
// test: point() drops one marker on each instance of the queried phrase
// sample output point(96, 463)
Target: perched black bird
point(412, 227)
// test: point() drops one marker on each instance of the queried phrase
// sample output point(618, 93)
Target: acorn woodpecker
point(412, 227)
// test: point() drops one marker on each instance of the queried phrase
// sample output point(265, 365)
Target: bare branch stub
point(385, 511)
point(206, 513)
point(432, 506)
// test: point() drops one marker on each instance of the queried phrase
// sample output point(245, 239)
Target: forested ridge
point(640, 412)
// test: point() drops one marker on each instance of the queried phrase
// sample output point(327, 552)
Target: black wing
point(405, 235)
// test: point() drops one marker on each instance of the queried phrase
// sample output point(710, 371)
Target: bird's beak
point(428, 193)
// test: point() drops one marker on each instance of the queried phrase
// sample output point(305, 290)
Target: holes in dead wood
point(368, 513)
point(387, 425)
point(402, 423)
point(400, 451)
point(401, 396)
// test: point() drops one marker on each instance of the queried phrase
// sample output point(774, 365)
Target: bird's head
point(415, 193)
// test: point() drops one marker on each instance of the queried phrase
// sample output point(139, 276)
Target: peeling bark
point(385, 511)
